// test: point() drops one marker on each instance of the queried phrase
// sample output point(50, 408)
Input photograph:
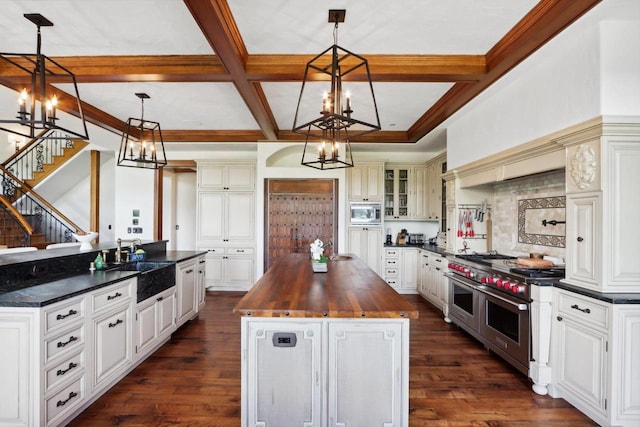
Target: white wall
point(591, 69)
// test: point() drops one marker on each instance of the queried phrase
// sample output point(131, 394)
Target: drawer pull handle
point(159, 298)
point(64, 402)
point(189, 271)
point(240, 250)
point(202, 262)
point(64, 371)
point(117, 322)
point(584, 310)
point(63, 344)
point(64, 316)
point(110, 297)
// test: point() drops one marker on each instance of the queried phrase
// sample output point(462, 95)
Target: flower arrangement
point(317, 251)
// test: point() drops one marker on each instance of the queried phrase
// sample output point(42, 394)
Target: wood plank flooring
point(194, 380)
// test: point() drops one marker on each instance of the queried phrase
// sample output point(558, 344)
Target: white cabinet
point(229, 268)
point(112, 331)
point(235, 176)
point(602, 178)
point(226, 217)
point(226, 224)
point(155, 321)
point(583, 219)
point(594, 357)
point(434, 282)
point(201, 283)
point(365, 183)
point(405, 195)
point(366, 244)
point(315, 372)
point(423, 273)
point(401, 269)
point(434, 187)
point(408, 270)
point(186, 291)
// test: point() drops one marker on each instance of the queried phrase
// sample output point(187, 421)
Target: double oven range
point(490, 298)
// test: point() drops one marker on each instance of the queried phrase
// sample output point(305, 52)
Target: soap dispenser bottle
point(98, 262)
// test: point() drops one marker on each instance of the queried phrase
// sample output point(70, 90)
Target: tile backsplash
point(533, 197)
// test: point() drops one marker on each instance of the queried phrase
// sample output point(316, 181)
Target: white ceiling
point(167, 27)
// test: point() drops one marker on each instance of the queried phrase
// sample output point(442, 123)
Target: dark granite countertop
point(58, 290)
point(611, 298)
point(431, 248)
point(56, 284)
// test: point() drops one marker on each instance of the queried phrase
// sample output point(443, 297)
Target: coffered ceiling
point(230, 70)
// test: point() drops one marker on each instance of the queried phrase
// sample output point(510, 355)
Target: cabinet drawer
point(65, 401)
point(391, 272)
point(63, 370)
point(240, 251)
point(391, 263)
point(113, 295)
point(391, 253)
point(214, 251)
point(584, 309)
point(63, 314)
point(64, 343)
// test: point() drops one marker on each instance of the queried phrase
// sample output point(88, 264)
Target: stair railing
point(36, 153)
point(10, 221)
point(40, 214)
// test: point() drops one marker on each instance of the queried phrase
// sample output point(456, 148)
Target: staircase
point(27, 219)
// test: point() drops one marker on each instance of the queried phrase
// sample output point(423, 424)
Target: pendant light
point(327, 136)
point(142, 145)
point(33, 75)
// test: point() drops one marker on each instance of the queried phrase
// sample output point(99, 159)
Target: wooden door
point(296, 213)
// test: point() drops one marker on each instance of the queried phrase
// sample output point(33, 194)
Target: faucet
point(119, 250)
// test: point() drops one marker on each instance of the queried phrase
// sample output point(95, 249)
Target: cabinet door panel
point(240, 211)
point(374, 183)
point(241, 177)
point(365, 360)
point(186, 290)
point(239, 270)
point(211, 176)
point(112, 345)
point(147, 331)
point(285, 380)
point(583, 217)
point(582, 366)
point(166, 315)
point(211, 216)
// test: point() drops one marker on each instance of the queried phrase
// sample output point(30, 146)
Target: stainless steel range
point(490, 299)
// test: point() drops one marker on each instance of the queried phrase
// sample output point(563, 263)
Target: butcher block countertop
point(349, 289)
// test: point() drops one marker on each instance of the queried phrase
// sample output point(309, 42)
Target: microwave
point(365, 213)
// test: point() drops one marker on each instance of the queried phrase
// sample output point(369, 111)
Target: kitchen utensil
point(489, 237)
point(534, 262)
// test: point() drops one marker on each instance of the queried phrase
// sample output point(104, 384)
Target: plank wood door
point(297, 212)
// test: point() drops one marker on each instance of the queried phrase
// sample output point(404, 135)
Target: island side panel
point(337, 372)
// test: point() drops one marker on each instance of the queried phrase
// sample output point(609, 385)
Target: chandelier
point(141, 145)
point(33, 75)
point(330, 133)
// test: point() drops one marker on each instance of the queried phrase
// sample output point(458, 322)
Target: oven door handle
point(520, 306)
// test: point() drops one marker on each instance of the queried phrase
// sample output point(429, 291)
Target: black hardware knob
point(580, 239)
point(559, 318)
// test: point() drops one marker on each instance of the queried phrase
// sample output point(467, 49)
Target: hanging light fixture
point(141, 145)
point(336, 125)
point(33, 75)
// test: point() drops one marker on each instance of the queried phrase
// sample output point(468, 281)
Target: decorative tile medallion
point(534, 213)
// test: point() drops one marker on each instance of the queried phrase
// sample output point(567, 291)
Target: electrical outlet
point(137, 230)
point(128, 230)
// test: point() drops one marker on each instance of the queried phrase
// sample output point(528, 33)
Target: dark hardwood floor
point(194, 380)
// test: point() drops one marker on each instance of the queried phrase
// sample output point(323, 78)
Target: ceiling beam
point(546, 20)
point(219, 28)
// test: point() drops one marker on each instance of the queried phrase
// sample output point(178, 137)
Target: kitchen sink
point(154, 277)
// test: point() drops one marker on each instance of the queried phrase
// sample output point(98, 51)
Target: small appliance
point(365, 213)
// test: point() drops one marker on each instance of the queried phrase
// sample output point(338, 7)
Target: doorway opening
point(296, 212)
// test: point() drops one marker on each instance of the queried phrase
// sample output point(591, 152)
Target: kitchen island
point(324, 349)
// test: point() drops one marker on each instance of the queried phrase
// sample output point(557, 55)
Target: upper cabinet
point(405, 194)
point(233, 176)
point(603, 199)
point(434, 189)
point(365, 183)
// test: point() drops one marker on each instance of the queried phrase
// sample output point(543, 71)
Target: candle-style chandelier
point(336, 126)
point(33, 75)
point(142, 145)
